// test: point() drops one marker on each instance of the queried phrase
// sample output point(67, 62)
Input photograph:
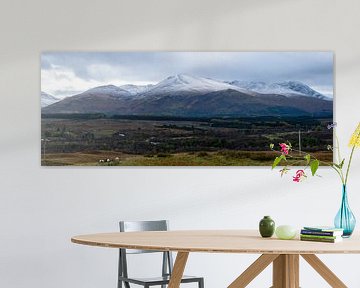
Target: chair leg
point(164, 266)
point(201, 283)
point(120, 270)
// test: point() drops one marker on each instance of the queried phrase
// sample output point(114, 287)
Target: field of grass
point(221, 158)
point(177, 142)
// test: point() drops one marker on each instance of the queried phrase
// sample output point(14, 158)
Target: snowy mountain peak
point(187, 83)
point(286, 88)
point(136, 89)
point(47, 99)
point(109, 90)
point(184, 78)
point(301, 88)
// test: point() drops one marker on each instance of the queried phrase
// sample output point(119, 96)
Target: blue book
point(322, 231)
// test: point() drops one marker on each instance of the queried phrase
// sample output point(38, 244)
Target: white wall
point(41, 208)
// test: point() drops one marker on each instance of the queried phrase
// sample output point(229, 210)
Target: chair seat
point(158, 280)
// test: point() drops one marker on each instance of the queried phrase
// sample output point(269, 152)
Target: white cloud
point(68, 73)
point(62, 82)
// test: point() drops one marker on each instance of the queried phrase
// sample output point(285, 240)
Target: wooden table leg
point(286, 271)
point(324, 271)
point(279, 271)
point(178, 269)
point(254, 270)
point(293, 262)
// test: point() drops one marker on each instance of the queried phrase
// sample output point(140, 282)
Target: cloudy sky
point(68, 73)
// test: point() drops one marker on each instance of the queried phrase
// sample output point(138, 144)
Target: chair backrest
point(138, 226)
point(133, 226)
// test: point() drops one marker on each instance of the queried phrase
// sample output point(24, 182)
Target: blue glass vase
point(345, 219)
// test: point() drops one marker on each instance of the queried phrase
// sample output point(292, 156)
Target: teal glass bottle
point(345, 219)
point(266, 227)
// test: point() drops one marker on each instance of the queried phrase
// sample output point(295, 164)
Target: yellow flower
point(355, 138)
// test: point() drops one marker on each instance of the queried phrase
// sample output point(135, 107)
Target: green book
point(319, 236)
point(325, 240)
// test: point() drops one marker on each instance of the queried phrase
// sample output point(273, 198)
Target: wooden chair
point(167, 263)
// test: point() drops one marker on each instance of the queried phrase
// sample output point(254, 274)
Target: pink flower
point(284, 148)
point(299, 176)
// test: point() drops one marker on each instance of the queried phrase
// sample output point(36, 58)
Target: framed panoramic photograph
point(183, 108)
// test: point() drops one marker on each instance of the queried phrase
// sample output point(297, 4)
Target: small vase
point(267, 227)
point(345, 219)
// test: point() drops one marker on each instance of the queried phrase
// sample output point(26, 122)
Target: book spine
point(317, 239)
point(319, 236)
point(319, 233)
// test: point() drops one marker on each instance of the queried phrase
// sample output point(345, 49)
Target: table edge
point(203, 250)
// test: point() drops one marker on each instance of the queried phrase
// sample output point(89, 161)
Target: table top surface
point(216, 241)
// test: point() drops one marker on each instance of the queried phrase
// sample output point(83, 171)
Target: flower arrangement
point(288, 156)
point(286, 153)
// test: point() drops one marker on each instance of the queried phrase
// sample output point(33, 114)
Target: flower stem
point(350, 159)
point(348, 167)
point(338, 171)
point(338, 149)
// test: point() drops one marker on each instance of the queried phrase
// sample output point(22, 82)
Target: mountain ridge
point(47, 99)
point(286, 88)
point(184, 95)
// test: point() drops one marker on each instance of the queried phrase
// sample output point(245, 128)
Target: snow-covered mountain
point(285, 88)
point(182, 83)
point(47, 99)
point(136, 89)
point(110, 90)
point(184, 95)
point(191, 84)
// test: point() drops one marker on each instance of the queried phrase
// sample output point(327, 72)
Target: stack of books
point(321, 234)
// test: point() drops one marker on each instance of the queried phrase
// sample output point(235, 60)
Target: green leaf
point(314, 165)
point(271, 146)
point(342, 164)
point(307, 158)
point(339, 166)
point(278, 160)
